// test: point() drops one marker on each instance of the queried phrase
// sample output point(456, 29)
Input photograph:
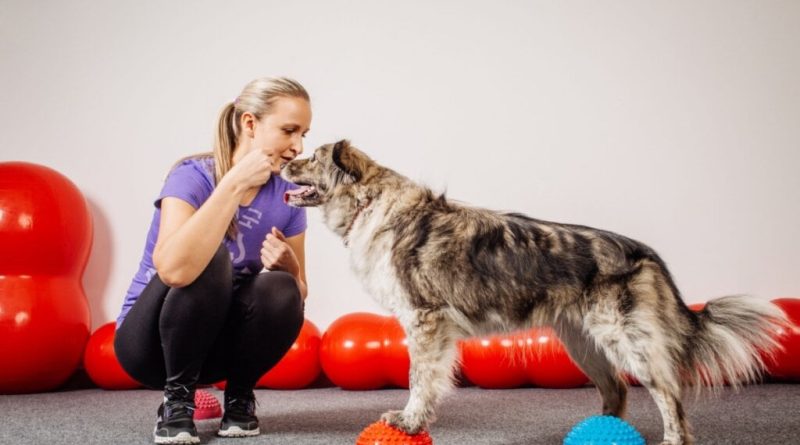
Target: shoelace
point(178, 408)
point(243, 404)
point(180, 401)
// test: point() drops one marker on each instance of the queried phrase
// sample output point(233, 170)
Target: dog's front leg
point(432, 349)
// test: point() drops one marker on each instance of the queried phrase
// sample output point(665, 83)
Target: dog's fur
point(448, 271)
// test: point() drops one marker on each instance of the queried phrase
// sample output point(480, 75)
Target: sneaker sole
point(180, 438)
point(235, 431)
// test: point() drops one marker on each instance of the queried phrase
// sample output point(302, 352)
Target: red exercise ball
point(45, 238)
point(785, 365)
point(101, 362)
point(351, 353)
point(494, 362)
point(381, 433)
point(548, 363)
point(363, 351)
point(300, 366)
point(396, 362)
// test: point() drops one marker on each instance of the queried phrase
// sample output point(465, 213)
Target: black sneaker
point(240, 418)
point(175, 424)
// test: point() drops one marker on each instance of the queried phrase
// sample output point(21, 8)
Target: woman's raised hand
point(252, 170)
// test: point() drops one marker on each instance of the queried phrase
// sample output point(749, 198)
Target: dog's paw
point(400, 421)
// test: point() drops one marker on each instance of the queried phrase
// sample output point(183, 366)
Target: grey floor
point(764, 414)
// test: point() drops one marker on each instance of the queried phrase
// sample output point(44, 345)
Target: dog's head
point(331, 168)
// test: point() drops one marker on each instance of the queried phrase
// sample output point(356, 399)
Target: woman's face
point(280, 133)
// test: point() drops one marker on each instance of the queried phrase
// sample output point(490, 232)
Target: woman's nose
point(297, 146)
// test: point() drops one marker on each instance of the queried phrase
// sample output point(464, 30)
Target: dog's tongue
point(294, 192)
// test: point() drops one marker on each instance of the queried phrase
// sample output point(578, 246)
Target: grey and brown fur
point(449, 271)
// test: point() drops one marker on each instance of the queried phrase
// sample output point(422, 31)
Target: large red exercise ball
point(785, 364)
point(363, 351)
point(45, 238)
point(300, 366)
point(494, 362)
point(548, 363)
point(100, 361)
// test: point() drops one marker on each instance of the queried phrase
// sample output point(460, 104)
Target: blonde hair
point(257, 98)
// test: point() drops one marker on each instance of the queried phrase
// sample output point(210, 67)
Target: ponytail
point(225, 141)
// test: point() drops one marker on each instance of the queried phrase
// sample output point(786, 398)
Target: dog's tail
point(733, 336)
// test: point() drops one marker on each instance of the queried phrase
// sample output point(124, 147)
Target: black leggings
point(207, 331)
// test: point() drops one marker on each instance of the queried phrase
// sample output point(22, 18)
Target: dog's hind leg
point(595, 365)
point(648, 360)
point(635, 338)
point(432, 349)
point(648, 365)
point(668, 400)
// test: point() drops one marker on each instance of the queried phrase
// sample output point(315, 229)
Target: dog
point(447, 271)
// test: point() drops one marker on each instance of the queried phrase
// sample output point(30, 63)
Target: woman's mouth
point(284, 161)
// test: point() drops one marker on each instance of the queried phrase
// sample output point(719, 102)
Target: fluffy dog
point(447, 271)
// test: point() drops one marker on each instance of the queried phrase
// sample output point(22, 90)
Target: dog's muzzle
point(301, 196)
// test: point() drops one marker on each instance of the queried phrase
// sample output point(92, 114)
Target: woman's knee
point(214, 283)
point(276, 295)
point(285, 291)
point(218, 271)
point(143, 364)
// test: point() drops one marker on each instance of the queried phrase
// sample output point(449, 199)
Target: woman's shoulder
point(193, 175)
point(199, 166)
point(201, 163)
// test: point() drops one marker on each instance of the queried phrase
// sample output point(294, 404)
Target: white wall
point(676, 123)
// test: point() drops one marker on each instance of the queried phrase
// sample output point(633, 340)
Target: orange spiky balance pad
point(380, 433)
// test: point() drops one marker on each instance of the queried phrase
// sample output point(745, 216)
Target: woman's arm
point(298, 245)
point(188, 238)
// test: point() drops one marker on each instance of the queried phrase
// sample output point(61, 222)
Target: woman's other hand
point(276, 254)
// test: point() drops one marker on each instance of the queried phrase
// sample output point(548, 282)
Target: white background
point(676, 122)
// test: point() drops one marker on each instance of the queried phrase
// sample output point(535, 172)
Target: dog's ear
point(348, 160)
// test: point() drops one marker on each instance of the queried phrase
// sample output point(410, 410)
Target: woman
point(200, 309)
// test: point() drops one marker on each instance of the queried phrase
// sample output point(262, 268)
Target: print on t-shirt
point(246, 221)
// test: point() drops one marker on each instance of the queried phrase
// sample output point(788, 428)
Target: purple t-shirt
point(193, 181)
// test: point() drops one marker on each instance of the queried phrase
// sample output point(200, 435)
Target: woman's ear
point(248, 124)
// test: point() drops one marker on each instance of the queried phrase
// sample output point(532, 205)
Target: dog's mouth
point(304, 196)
